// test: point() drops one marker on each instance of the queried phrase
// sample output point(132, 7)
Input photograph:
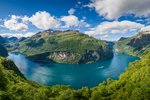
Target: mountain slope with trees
point(64, 47)
point(136, 45)
point(3, 51)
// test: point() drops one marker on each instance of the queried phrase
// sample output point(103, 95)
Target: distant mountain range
point(137, 45)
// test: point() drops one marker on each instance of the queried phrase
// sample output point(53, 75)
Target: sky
point(104, 19)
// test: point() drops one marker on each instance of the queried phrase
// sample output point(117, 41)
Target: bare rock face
point(102, 53)
point(89, 57)
point(59, 57)
point(74, 58)
point(62, 55)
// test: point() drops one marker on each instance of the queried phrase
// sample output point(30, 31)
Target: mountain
point(3, 51)
point(2, 40)
point(132, 85)
point(10, 43)
point(6, 40)
point(136, 45)
point(64, 47)
point(11, 39)
point(22, 39)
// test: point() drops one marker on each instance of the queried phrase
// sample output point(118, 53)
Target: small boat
point(100, 67)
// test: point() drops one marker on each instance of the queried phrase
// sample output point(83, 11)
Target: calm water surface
point(76, 75)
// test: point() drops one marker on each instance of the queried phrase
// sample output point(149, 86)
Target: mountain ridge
point(136, 45)
point(69, 46)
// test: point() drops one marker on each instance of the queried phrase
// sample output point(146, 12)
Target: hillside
point(64, 47)
point(2, 40)
point(136, 45)
point(132, 85)
point(3, 51)
point(10, 43)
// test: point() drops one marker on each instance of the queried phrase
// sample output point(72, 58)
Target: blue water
point(76, 75)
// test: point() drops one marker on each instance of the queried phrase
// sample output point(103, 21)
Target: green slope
point(136, 45)
point(134, 84)
point(3, 51)
point(72, 45)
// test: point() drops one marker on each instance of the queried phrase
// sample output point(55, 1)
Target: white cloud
point(70, 20)
point(146, 28)
point(25, 19)
point(113, 9)
point(15, 17)
point(82, 23)
point(43, 20)
point(105, 37)
point(18, 35)
point(71, 11)
point(13, 24)
point(11, 35)
point(115, 28)
point(29, 34)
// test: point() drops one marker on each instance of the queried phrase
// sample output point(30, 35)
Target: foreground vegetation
point(134, 84)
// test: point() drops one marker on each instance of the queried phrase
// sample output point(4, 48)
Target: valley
point(62, 81)
point(74, 49)
point(132, 84)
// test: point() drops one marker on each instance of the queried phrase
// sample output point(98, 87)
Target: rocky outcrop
point(72, 58)
point(102, 53)
point(89, 57)
point(59, 57)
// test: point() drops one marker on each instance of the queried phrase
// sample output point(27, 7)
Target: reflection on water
point(76, 75)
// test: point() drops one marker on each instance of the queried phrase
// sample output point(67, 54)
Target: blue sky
point(97, 18)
